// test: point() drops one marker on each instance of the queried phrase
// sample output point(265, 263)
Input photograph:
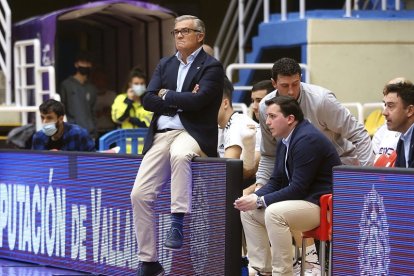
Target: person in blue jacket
point(57, 134)
point(185, 94)
point(289, 202)
point(399, 116)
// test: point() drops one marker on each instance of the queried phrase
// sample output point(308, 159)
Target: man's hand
point(162, 92)
point(246, 203)
point(195, 89)
point(249, 190)
point(258, 186)
point(252, 188)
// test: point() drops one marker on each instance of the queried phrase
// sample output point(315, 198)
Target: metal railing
point(242, 12)
point(28, 81)
point(233, 29)
point(258, 66)
point(5, 42)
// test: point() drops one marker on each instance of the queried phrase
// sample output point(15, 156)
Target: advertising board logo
point(374, 248)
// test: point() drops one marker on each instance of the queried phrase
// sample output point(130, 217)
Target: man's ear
point(410, 110)
point(274, 84)
point(226, 103)
point(200, 37)
point(291, 119)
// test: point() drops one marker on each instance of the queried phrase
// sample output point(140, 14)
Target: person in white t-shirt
point(239, 135)
point(385, 141)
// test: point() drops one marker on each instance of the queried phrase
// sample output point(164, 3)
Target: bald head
point(208, 49)
point(399, 80)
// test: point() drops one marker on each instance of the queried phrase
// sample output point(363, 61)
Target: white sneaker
point(310, 269)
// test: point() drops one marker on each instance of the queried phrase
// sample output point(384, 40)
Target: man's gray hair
point(199, 24)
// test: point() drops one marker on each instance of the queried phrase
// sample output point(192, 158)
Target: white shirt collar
point(190, 58)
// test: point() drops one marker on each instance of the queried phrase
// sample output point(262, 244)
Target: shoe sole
point(172, 249)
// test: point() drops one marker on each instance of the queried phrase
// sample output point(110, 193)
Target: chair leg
point(303, 260)
point(330, 259)
point(296, 253)
point(322, 256)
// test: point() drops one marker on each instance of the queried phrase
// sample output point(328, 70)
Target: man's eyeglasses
point(184, 31)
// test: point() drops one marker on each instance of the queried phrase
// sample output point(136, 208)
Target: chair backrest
point(326, 222)
point(330, 207)
point(385, 160)
point(124, 138)
point(374, 120)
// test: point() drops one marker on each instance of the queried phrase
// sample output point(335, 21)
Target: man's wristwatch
point(259, 202)
point(162, 92)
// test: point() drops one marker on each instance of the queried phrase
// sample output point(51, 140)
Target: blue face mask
point(138, 89)
point(49, 128)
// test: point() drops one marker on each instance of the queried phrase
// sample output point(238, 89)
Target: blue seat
point(129, 140)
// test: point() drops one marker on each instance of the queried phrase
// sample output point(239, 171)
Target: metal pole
point(6, 24)
point(397, 5)
point(348, 8)
point(266, 11)
point(356, 5)
point(241, 31)
point(223, 30)
point(302, 5)
point(283, 16)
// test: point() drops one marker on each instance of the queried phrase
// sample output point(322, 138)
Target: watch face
point(259, 202)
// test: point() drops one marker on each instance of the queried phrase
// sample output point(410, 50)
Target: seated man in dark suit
point(58, 135)
point(399, 115)
point(289, 202)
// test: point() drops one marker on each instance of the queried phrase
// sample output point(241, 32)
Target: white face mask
point(138, 89)
point(49, 128)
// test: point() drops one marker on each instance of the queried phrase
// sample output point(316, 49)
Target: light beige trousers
point(169, 156)
point(276, 224)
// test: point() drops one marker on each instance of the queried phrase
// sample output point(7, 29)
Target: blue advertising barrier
point(373, 221)
point(73, 210)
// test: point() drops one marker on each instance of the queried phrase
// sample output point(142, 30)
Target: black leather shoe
point(174, 239)
point(150, 269)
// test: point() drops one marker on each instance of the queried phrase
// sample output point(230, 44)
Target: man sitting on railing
point(184, 93)
point(58, 135)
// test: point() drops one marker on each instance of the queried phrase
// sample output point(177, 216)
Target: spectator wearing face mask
point(127, 109)
point(78, 95)
point(58, 135)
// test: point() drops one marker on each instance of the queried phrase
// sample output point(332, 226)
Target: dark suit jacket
point(199, 110)
point(310, 159)
point(400, 162)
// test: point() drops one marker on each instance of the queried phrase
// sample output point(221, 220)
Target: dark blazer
point(199, 110)
point(400, 161)
point(310, 159)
